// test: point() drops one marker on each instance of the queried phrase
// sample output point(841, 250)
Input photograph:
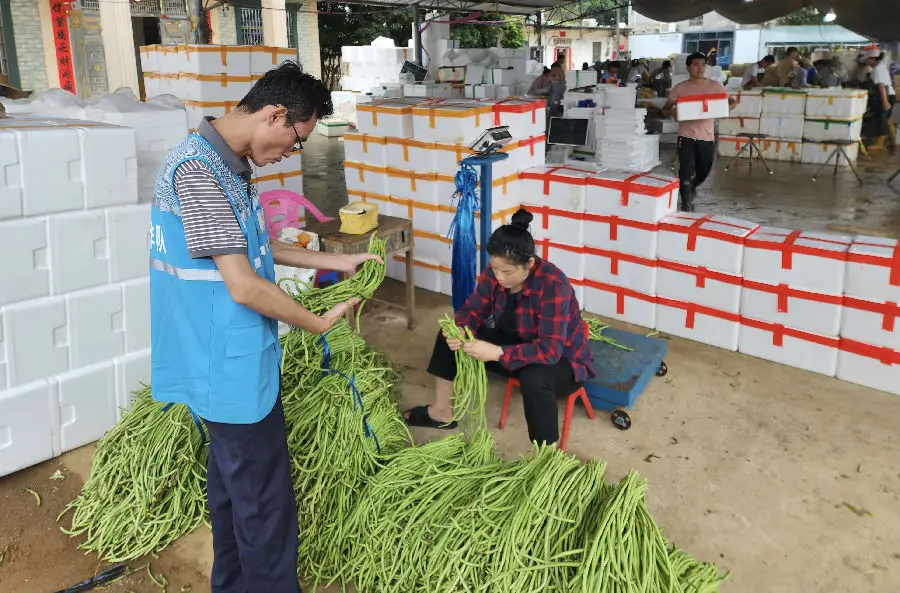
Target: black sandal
point(419, 416)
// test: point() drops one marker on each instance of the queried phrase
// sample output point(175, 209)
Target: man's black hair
point(769, 59)
point(303, 95)
point(791, 49)
point(695, 56)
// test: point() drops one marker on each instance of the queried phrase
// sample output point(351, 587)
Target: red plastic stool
point(579, 393)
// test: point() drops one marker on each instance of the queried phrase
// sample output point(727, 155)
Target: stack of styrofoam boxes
point(74, 300)
point(407, 154)
point(158, 128)
point(870, 340)
point(782, 122)
point(285, 174)
point(600, 228)
point(576, 79)
point(366, 67)
point(622, 141)
point(745, 119)
point(791, 299)
point(833, 115)
point(700, 262)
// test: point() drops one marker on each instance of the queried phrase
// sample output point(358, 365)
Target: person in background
point(555, 92)
point(786, 67)
point(214, 309)
point(636, 72)
point(527, 323)
point(612, 73)
point(585, 66)
point(541, 84)
point(661, 79)
point(696, 138)
point(884, 97)
point(801, 73)
point(752, 75)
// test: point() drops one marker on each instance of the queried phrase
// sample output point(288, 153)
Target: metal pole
point(417, 44)
point(487, 212)
point(618, 41)
point(539, 30)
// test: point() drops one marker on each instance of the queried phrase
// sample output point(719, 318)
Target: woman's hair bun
point(521, 219)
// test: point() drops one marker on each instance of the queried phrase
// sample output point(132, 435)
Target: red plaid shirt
point(548, 320)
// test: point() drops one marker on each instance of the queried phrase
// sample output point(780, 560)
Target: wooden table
point(398, 234)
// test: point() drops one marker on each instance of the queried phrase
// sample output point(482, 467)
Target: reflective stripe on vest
point(184, 273)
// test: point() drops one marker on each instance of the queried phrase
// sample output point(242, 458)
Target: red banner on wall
point(59, 15)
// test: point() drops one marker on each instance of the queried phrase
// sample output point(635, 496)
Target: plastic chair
point(579, 393)
point(282, 208)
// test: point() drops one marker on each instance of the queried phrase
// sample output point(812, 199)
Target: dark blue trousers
point(252, 507)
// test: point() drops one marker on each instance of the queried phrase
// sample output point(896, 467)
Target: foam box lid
point(703, 98)
point(640, 183)
point(723, 228)
point(792, 241)
point(561, 174)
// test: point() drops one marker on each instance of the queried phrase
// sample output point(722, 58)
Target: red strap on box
point(886, 356)
point(780, 331)
point(692, 232)
point(620, 291)
point(888, 310)
point(787, 257)
point(700, 273)
point(893, 265)
point(783, 292)
point(692, 309)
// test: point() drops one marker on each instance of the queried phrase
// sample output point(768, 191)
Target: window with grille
point(90, 6)
point(251, 29)
point(174, 9)
point(145, 8)
point(292, 28)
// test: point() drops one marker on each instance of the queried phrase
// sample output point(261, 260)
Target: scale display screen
point(568, 131)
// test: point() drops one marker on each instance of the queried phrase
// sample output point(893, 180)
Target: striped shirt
point(210, 224)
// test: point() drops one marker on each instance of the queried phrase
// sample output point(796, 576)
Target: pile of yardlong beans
point(470, 386)
point(147, 486)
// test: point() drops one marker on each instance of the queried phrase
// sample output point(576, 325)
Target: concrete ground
point(786, 478)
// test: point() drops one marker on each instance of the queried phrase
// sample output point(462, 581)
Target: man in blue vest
point(214, 314)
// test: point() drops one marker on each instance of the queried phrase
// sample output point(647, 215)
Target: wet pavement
point(788, 198)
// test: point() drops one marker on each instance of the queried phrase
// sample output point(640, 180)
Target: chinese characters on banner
point(59, 15)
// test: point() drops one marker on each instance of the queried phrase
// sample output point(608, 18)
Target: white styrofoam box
point(480, 91)
point(620, 269)
point(126, 227)
point(169, 58)
point(263, 59)
point(433, 247)
point(698, 323)
point(87, 404)
point(37, 184)
point(620, 303)
point(785, 150)
point(27, 267)
point(823, 130)
point(363, 148)
point(748, 103)
point(802, 260)
point(694, 107)
point(35, 339)
point(558, 187)
point(700, 285)
point(202, 59)
point(818, 153)
point(332, 127)
point(533, 151)
point(499, 76)
point(581, 78)
point(452, 74)
point(781, 126)
point(132, 372)
point(638, 196)
point(430, 188)
point(387, 119)
point(705, 240)
point(136, 304)
point(799, 309)
point(568, 258)
point(613, 233)
point(502, 92)
point(846, 104)
point(213, 87)
point(422, 89)
point(732, 126)
point(730, 146)
point(149, 59)
point(96, 325)
point(868, 365)
point(26, 426)
point(784, 101)
point(11, 190)
point(79, 251)
point(474, 74)
point(453, 124)
point(789, 346)
point(383, 202)
point(364, 177)
point(286, 173)
point(410, 155)
point(152, 85)
point(873, 269)
point(429, 275)
point(445, 158)
point(526, 118)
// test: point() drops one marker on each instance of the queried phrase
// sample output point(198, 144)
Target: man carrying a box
point(696, 138)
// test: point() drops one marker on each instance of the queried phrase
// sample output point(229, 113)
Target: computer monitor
point(568, 131)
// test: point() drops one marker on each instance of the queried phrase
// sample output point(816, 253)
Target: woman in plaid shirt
point(528, 325)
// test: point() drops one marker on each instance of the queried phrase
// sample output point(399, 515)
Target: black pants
point(252, 507)
point(541, 384)
point(696, 159)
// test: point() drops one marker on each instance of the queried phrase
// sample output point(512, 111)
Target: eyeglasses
point(299, 144)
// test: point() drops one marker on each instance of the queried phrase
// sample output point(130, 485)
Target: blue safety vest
point(219, 358)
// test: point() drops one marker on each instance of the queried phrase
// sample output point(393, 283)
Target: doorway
point(562, 56)
point(146, 32)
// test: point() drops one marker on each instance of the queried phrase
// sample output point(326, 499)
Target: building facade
point(90, 46)
point(572, 46)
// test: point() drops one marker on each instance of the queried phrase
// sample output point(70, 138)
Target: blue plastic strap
point(368, 431)
point(194, 417)
point(462, 232)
